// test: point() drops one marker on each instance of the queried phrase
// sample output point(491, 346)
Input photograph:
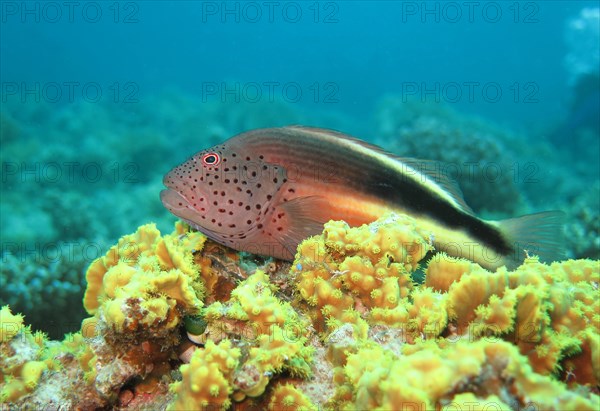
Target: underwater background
point(100, 99)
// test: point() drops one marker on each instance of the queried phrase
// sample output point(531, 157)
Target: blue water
point(361, 49)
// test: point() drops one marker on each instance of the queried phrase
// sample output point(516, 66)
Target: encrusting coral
point(146, 282)
point(177, 323)
point(427, 375)
point(272, 334)
point(366, 267)
point(206, 379)
point(548, 311)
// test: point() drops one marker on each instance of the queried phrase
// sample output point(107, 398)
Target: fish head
point(225, 192)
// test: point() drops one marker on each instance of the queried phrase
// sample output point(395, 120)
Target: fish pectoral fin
point(299, 219)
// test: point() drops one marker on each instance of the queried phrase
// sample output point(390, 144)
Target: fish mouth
point(176, 197)
point(174, 200)
point(177, 204)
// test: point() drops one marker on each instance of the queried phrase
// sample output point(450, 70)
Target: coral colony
point(179, 322)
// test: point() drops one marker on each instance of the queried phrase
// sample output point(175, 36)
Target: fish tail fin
point(538, 234)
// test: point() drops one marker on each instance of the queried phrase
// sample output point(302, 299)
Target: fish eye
point(211, 159)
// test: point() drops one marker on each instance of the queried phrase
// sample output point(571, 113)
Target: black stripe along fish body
point(266, 190)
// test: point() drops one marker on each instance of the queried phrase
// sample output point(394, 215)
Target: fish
point(266, 190)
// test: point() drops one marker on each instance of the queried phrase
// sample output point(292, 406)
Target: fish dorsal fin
point(300, 218)
point(436, 171)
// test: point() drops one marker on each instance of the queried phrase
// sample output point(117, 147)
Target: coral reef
point(146, 283)
point(367, 266)
point(206, 379)
point(69, 170)
point(28, 283)
point(428, 376)
point(178, 322)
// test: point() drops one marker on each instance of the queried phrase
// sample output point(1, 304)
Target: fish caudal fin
point(538, 234)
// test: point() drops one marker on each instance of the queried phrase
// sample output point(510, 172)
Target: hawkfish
point(266, 190)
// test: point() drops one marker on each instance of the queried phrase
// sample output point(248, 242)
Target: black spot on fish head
point(224, 191)
point(187, 195)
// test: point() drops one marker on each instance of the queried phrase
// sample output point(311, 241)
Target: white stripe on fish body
point(390, 160)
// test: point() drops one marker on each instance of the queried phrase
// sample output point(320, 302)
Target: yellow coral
point(169, 250)
point(466, 338)
point(443, 270)
point(10, 324)
point(23, 382)
point(288, 397)
point(394, 237)
point(127, 250)
point(427, 313)
point(276, 352)
point(145, 251)
point(88, 327)
point(271, 328)
point(206, 379)
point(536, 306)
point(21, 365)
point(550, 312)
point(320, 282)
point(367, 266)
point(146, 280)
point(429, 377)
point(254, 301)
point(472, 402)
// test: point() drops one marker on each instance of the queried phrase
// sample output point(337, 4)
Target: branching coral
point(47, 272)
